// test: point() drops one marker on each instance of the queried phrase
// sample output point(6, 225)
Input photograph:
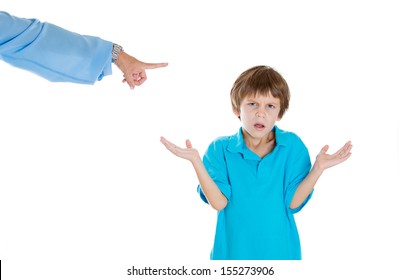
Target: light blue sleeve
point(52, 52)
point(215, 164)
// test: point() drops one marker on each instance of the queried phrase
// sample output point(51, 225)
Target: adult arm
point(52, 52)
point(59, 55)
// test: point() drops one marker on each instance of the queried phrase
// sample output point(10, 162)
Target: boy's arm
point(214, 196)
point(212, 193)
point(323, 161)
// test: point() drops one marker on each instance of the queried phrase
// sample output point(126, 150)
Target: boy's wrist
point(196, 160)
point(317, 169)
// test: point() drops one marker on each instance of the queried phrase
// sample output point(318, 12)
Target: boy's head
point(260, 80)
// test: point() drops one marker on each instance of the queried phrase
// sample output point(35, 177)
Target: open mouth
point(259, 126)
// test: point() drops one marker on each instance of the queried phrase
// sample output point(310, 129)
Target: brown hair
point(262, 80)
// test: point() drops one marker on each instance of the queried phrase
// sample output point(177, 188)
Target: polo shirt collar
point(237, 144)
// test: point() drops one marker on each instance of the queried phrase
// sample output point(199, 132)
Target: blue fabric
point(52, 52)
point(257, 223)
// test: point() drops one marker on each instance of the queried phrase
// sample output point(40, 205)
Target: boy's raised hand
point(324, 160)
point(188, 153)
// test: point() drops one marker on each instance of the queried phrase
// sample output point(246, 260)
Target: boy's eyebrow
point(253, 99)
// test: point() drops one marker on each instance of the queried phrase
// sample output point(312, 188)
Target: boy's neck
point(260, 146)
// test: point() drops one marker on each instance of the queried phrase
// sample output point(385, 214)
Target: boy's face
point(258, 114)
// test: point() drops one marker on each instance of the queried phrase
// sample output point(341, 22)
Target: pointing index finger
point(155, 65)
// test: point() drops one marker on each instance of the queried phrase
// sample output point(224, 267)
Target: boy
point(258, 178)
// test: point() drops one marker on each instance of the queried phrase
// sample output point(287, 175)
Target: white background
point(87, 190)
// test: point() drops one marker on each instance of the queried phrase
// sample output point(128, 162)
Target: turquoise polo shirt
point(257, 223)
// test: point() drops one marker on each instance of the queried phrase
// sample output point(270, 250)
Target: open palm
point(188, 153)
point(324, 160)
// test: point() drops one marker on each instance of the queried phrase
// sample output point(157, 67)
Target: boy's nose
point(260, 114)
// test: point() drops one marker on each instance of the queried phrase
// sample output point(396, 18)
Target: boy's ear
point(236, 112)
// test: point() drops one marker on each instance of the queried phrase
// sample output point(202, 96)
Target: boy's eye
point(271, 106)
point(251, 103)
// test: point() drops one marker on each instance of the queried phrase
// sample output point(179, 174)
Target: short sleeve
point(215, 164)
point(298, 167)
